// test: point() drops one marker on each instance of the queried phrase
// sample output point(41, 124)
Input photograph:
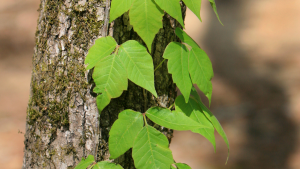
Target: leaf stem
point(159, 65)
point(171, 106)
point(93, 165)
point(145, 119)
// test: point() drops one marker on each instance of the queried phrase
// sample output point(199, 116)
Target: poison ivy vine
point(115, 63)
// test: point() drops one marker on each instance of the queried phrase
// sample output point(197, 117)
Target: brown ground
point(256, 96)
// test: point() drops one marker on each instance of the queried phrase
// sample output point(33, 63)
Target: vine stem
point(171, 106)
point(159, 65)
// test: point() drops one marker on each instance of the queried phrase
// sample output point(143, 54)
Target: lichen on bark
point(63, 122)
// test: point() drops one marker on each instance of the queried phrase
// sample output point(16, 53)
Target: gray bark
point(63, 122)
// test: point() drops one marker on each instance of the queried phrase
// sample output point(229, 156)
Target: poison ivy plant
point(115, 64)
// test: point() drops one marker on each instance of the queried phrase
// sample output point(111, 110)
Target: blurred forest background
point(256, 88)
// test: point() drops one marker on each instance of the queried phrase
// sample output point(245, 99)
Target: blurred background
point(256, 88)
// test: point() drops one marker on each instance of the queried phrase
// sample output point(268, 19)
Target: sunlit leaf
point(151, 150)
point(107, 165)
point(194, 6)
point(139, 64)
point(84, 163)
point(185, 38)
point(201, 71)
point(174, 120)
point(123, 132)
point(103, 47)
point(182, 166)
point(146, 19)
point(173, 8)
point(194, 111)
point(102, 101)
point(178, 58)
point(118, 7)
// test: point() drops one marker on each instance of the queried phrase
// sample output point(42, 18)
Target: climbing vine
point(114, 64)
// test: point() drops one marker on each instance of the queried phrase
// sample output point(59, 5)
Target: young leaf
point(174, 120)
point(151, 150)
point(146, 19)
point(213, 5)
point(178, 58)
point(84, 163)
point(118, 7)
point(216, 124)
point(201, 71)
point(194, 6)
point(194, 111)
point(123, 132)
point(107, 165)
point(103, 47)
point(139, 64)
point(173, 8)
point(110, 78)
point(185, 38)
point(182, 166)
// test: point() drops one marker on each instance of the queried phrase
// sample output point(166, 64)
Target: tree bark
point(63, 122)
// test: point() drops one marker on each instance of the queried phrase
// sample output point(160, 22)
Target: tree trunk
point(63, 122)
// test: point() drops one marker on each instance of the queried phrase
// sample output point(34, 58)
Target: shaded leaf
point(84, 163)
point(213, 5)
point(146, 19)
point(110, 78)
point(195, 94)
point(185, 38)
point(118, 7)
point(194, 111)
point(107, 165)
point(123, 132)
point(103, 47)
point(182, 166)
point(173, 8)
point(139, 64)
point(151, 150)
point(201, 71)
point(173, 120)
point(178, 58)
point(194, 6)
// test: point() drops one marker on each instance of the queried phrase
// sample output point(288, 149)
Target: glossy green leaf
point(118, 7)
point(178, 58)
point(182, 166)
point(173, 120)
point(84, 163)
point(194, 111)
point(194, 6)
point(185, 38)
point(103, 47)
point(201, 71)
point(139, 64)
point(110, 78)
point(173, 8)
point(146, 19)
point(123, 132)
point(151, 150)
point(107, 165)
point(213, 5)
point(216, 124)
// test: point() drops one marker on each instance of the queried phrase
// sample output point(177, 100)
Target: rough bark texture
point(63, 123)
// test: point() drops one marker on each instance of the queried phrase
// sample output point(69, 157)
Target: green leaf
point(178, 58)
point(185, 38)
point(172, 167)
point(182, 166)
point(174, 120)
point(118, 7)
point(123, 132)
point(103, 47)
point(146, 19)
point(173, 8)
point(201, 71)
point(107, 165)
point(194, 111)
point(195, 94)
point(110, 78)
point(194, 6)
point(216, 124)
point(213, 5)
point(102, 101)
point(151, 150)
point(84, 163)
point(139, 64)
